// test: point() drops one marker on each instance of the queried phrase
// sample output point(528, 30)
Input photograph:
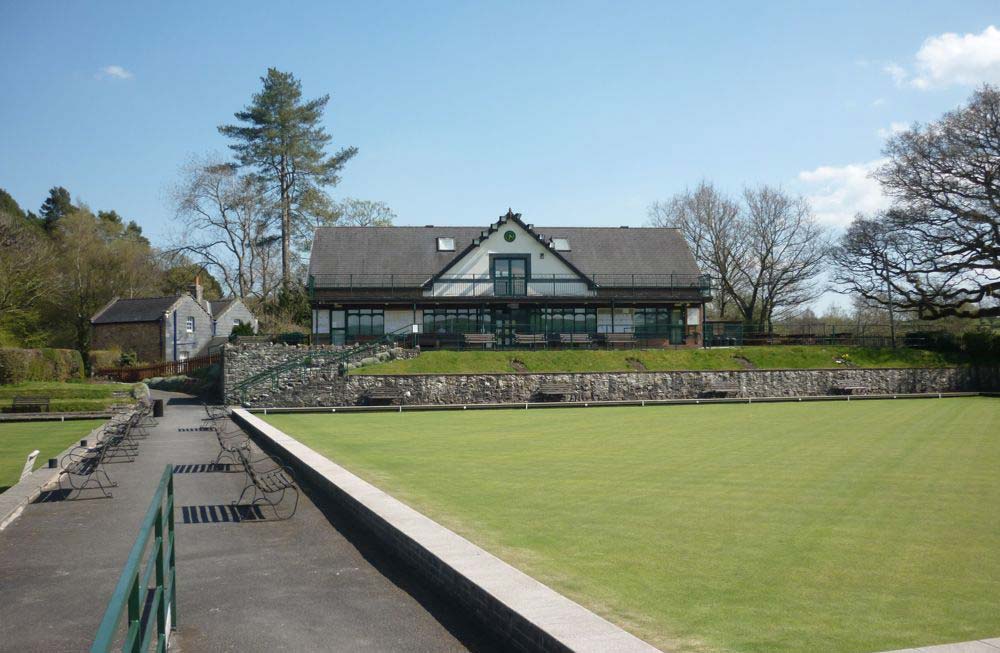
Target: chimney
point(196, 292)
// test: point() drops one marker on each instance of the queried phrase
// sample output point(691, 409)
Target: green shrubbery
point(982, 344)
point(20, 365)
point(98, 358)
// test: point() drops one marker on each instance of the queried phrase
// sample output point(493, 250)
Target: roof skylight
point(446, 244)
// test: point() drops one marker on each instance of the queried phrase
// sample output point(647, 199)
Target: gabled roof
point(413, 250)
point(504, 219)
point(145, 309)
point(219, 306)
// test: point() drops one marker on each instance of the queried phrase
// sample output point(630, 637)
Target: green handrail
point(336, 356)
point(133, 588)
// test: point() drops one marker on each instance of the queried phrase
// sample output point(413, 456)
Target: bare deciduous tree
point(710, 223)
point(766, 255)
point(784, 256)
point(944, 179)
point(228, 224)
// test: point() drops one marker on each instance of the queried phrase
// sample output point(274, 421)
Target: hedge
point(98, 358)
point(20, 365)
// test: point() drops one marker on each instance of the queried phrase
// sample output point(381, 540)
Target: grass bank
point(624, 360)
point(18, 439)
point(771, 528)
point(68, 397)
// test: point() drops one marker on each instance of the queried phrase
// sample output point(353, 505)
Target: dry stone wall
point(323, 385)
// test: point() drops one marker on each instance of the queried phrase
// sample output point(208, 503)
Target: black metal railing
point(540, 284)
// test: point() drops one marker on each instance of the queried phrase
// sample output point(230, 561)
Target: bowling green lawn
point(828, 526)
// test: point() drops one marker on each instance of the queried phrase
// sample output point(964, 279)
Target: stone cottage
point(168, 329)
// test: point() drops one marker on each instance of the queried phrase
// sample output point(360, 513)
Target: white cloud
point(952, 59)
point(893, 129)
point(897, 72)
point(837, 193)
point(878, 102)
point(114, 72)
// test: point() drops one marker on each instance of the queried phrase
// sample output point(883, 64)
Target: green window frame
point(659, 322)
point(565, 319)
point(364, 322)
point(457, 320)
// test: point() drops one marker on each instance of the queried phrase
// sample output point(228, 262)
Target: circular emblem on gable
point(509, 236)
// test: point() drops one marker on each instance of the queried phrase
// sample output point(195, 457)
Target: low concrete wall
point(324, 387)
point(521, 612)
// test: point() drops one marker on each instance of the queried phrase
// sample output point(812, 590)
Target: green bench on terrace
point(29, 404)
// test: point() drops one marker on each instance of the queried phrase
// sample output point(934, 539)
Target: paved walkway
point(306, 584)
point(976, 646)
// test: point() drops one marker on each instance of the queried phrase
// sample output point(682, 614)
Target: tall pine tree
point(55, 207)
point(281, 139)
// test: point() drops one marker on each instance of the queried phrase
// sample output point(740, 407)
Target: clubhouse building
point(509, 284)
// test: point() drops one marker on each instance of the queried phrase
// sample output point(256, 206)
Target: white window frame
point(189, 324)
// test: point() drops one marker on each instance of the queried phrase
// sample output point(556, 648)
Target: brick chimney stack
point(196, 291)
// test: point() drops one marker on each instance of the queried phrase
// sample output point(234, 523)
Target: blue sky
point(572, 113)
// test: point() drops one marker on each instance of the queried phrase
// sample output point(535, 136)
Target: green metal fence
point(150, 596)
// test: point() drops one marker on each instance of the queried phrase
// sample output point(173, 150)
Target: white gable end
point(548, 274)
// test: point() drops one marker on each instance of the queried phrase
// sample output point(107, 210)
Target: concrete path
point(306, 584)
point(975, 646)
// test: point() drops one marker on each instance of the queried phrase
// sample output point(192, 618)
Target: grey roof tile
point(413, 250)
point(146, 309)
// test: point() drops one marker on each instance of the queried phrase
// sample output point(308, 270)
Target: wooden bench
point(721, 389)
point(555, 390)
point(575, 338)
point(268, 478)
point(382, 396)
point(612, 339)
point(530, 339)
point(29, 404)
point(844, 389)
point(480, 339)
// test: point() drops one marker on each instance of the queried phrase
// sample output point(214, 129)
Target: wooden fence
point(133, 374)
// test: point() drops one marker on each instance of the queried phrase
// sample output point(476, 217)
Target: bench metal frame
point(266, 483)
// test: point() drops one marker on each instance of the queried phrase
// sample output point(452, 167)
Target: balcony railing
point(538, 284)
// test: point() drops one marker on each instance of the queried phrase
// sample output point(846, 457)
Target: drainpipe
point(175, 338)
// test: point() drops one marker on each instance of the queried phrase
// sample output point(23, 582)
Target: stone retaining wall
point(324, 386)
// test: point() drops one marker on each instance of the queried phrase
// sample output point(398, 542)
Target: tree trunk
point(286, 228)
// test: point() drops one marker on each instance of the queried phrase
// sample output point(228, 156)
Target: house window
point(237, 322)
point(560, 244)
point(365, 322)
point(183, 355)
point(457, 320)
point(189, 326)
point(510, 275)
point(446, 244)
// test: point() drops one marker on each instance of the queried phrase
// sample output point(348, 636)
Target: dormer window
point(446, 244)
point(560, 244)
